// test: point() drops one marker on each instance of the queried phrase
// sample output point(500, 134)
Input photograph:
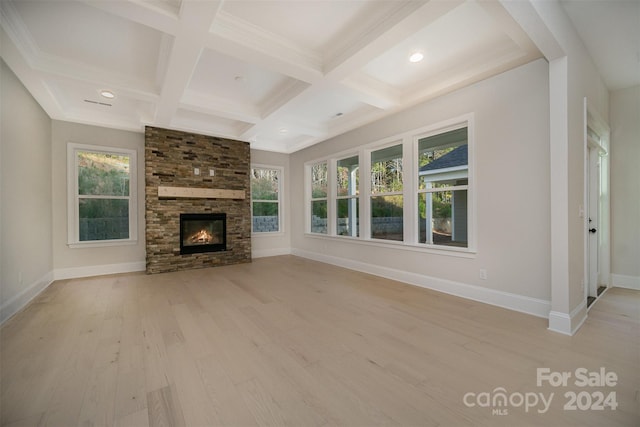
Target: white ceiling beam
point(196, 18)
point(500, 15)
point(241, 40)
point(372, 91)
point(145, 13)
point(29, 78)
point(527, 16)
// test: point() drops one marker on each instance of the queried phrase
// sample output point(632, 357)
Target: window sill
point(436, 250)
point(268, 234)
point(101, 244)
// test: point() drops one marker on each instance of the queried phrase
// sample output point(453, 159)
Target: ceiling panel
point(81, 33)
point(280, 74)
point(468, 29)
point(225, 77)
point(311, 24)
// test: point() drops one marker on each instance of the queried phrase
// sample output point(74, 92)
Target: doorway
point(597, 255)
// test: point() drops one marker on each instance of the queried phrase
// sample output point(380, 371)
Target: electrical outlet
point(483, 274)
point(212, 172)
point(196, 171)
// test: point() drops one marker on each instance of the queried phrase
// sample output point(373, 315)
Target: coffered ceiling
point(282, 75)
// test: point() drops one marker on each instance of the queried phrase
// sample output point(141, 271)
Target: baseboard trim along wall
point(263, 253)
point(568, 324)
point(628, 282)
point(534, 306)
point(98, 270)
point(18, 302)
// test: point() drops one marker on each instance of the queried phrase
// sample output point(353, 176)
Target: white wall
point(25, 194)
point(79, 262)
point(512, 186)
point(625, 187)
point(270, 244)
point(573, 77)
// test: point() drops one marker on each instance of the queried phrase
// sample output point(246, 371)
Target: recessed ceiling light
point(283, 130)
point(107, 94)
point(416, 57)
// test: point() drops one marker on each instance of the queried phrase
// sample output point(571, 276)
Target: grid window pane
point(442, 217)
point(319, 216)
point(103, 174)
point(348, 223)
point(264, 184)
point(319, 180)
point(386, 170)
point(265, 200)
point(103, 219)
point(386, 217)
point(348, 178)
point(265, 217)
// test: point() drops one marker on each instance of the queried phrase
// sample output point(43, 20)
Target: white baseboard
point(98, 270)
point(568, 323)
point(263, 253)
point(16, 303)
point(628, 282)
point(523, 304)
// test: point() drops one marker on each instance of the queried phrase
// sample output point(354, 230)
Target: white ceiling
point(610, 29)
point(282, 75)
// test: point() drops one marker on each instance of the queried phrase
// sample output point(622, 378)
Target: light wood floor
point(287, 341)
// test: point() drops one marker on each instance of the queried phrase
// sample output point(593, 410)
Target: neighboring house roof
point(454, 158)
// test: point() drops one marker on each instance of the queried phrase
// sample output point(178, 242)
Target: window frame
point(357, 196)
point(73, 210)
point(402, 193)
point(279, 201)
point(409, 140)
point(454, 172)
point(327, 198)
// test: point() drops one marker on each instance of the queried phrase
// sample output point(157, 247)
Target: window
point(319, 187)
point(102, 195)
point(387, 193)
point(443, 181)
point(347, 191)
point(265, 199)
point(413, 191)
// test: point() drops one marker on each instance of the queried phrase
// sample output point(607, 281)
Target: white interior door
point(593, 221)
point(596, 197)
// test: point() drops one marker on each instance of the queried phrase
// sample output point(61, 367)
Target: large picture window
point(443, 180)
point(413, 190)
point(319, 197)
point(347, 200)
point(265, 199)
point(387, 193)
point(102, 194)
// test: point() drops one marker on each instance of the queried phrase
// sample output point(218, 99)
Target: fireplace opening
point(203, 233)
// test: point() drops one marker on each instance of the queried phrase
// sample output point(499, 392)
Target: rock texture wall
point(170, 159)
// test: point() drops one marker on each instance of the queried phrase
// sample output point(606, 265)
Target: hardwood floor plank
point(164, 408)
point(289, 341)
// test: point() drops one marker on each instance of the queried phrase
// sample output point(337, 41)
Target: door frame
point(598, 145)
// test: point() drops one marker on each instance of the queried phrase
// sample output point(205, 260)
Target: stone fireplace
point(197, 197)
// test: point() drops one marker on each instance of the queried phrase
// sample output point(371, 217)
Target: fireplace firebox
point(203, 232)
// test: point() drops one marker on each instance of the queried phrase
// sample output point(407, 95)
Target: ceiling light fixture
point(107, 94)
point(283, 130)
point(416, 57)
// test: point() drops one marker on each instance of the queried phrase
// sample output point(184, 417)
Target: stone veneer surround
point(170, 159)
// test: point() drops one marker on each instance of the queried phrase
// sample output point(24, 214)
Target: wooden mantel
point(200, 193)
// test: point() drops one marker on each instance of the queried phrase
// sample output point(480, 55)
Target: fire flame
point(202, 236)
